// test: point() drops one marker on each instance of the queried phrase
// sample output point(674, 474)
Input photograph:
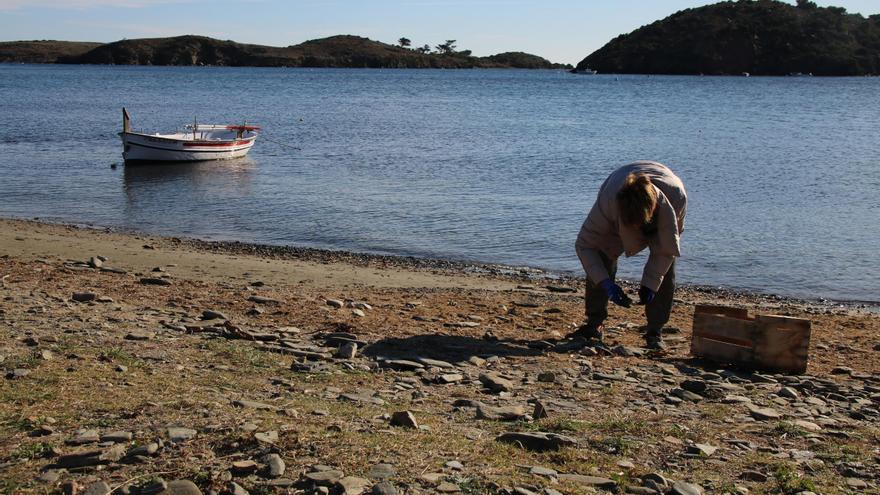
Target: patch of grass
point(31, 451)
point(120, 356)
point(622, 425)
point(789, 481)
point(239, 354)
point(473, 485)
point(788, 429)
point(716, 412)
point(556, 425)
point(615, 445)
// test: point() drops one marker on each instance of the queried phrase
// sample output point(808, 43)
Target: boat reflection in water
point(171, 196)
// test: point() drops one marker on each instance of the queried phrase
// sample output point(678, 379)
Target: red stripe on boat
point(214, 144)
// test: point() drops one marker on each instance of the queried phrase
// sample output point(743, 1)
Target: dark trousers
point(657, 312)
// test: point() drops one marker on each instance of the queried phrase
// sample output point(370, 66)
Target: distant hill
point(335, 51)
point(762, 37)
point(43, 51)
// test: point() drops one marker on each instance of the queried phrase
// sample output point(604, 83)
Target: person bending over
point(641, 205)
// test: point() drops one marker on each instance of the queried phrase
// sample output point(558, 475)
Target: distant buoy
point(113, 166)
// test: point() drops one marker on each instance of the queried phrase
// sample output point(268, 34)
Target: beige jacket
point(602, 231)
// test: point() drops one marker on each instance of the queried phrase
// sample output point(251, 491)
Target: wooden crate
point(765, 342)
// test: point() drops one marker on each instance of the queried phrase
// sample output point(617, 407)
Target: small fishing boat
point(197, 142)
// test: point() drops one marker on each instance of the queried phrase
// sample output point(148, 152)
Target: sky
point(562, 31)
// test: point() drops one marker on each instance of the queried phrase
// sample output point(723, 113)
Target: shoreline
point(130, 357)
point(448, 267)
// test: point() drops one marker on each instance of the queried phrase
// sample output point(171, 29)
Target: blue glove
point(646, 295)
point(615, 293)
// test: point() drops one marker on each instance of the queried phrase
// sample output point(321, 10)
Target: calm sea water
point(498, 166)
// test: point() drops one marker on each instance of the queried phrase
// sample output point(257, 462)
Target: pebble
point(455, 465)
point(701, 449)
point(17, 373)
point(335, 303)
point(155, 281)
point(447, 487)
point(270, 437)
point(276, 465)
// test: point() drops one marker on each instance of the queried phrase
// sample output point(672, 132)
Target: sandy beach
point(143, 363)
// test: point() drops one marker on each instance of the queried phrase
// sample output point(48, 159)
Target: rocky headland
point(144, 365)
point(762, 37)
point(336, 51)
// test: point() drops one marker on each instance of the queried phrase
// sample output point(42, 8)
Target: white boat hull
point(147, 148)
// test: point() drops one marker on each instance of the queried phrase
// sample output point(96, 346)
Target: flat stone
point(155, 281)
point(270, 437)
point(581, 479)
point(50, 475)
point(404, 419)
point(685, 488)
point(702, 449)
point(143, 450)
point(334, 303)
point(249, 404)
point(788, 393)
point(543, 471)
point(764, 413)
point(83, 296)
point(263, 300)
point(209, 314)
point(447, 487)
point(177, 434)
point(450, 378)
point(324, 478)
point(756, 476)
point(454, 465)
point(536, 441)
point(234, 488)
point(436, 363)
point(495, 382)
point(84, 437)
point(856, 483)
point(403, 364)
point(347, 350)
point(503, 413)
point(117, 436)
point(17, 373)
point(244, 467)
point(99, 488)
point(181, 487)
point(362, 397)
point(382, 472)
point(352, 485)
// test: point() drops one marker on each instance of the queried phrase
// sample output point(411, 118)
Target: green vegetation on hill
point(761, 37)
point(335, 51)
point(42, 51)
